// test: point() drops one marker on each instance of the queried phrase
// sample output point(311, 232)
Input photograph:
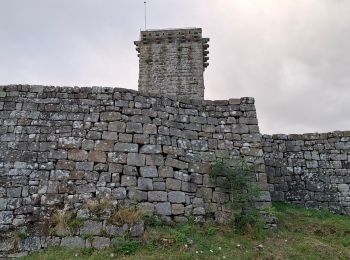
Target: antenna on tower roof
point(145, 2)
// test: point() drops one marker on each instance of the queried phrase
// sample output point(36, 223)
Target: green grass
point(301, 234)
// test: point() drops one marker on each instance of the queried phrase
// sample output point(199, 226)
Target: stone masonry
point(310, 169)
point(61, 147)
point(172, 62)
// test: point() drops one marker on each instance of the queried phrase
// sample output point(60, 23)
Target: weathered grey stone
point(125, 138)
point(84, 166)
point(73, 242)
point(91, 228)
point(159, 185)
point(154, 160)
point(176, 163)
point(128, 181)
point(31, 243)
point(130, 170)
point(126, 147)
point(343, 187)
point(149, 171)
point(176, 197)
point(87, 145)
point(86, 188)
point(3, 203)
point(146, 208)
point(77, 155)
point(199, 145)
point(150, 129)
point(219, 197)
point(14, 192)
point(189, 187)
point(104, 145)
point(181, 176)
point(166, 172)
point(137, 230)
point(7, 245)
point(137, 195)
point(119, 193)
point(132, 127)
point(53, 241)
point(69, 142)
point(58, 154)
point(112, 136)
point(177, 209)
point(95, 135)
point(198, 211)
point(135, 159)
point(145, 184)
point(97, 156)
point(117, 126)
point(157, 196)
point(110, 116)
point(196, 178)
point(173, 184)
point(100, 242)
point(163, 208)
point(151, 149)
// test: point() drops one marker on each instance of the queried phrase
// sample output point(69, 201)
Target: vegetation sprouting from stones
point(238, 180)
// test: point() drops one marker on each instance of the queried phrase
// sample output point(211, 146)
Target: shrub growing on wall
point(239, 180)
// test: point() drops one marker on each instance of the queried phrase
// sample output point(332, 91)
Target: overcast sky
point(291, 55)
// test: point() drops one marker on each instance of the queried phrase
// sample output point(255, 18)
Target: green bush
point(239, 181)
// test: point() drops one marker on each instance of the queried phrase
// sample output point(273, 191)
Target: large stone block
point(119, 193)
point(145, 184)
point(126, 147)
point(173, 184)
point(77, 155)
point(104, 145)
point(150, 149)
point(149, 171)
point(135, 128)
point(73, 242)
point(176, 197)
point(117, 126)
point(69, 142)
point(91, 228)
point(166, 172)
point(163, 208)
point(100, 242)
point(177, 209)
point(128, 181)
point(135, 159)
point(84, 166)
point(176, 164)
point(157, 196)
point(110, 116)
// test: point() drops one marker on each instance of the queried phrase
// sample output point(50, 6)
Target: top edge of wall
point(110, 90)
point(308, 136)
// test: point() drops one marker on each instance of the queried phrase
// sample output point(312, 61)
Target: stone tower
point(172, 62)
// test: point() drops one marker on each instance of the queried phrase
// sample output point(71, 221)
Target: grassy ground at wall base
point(301, 234)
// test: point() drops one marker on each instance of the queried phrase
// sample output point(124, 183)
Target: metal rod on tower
point(145, 2)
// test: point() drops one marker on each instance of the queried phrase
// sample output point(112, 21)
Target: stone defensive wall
point(310, 169)
point(72, 150)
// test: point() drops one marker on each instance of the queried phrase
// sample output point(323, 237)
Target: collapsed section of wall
point(62, 147)
point(310, 169)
